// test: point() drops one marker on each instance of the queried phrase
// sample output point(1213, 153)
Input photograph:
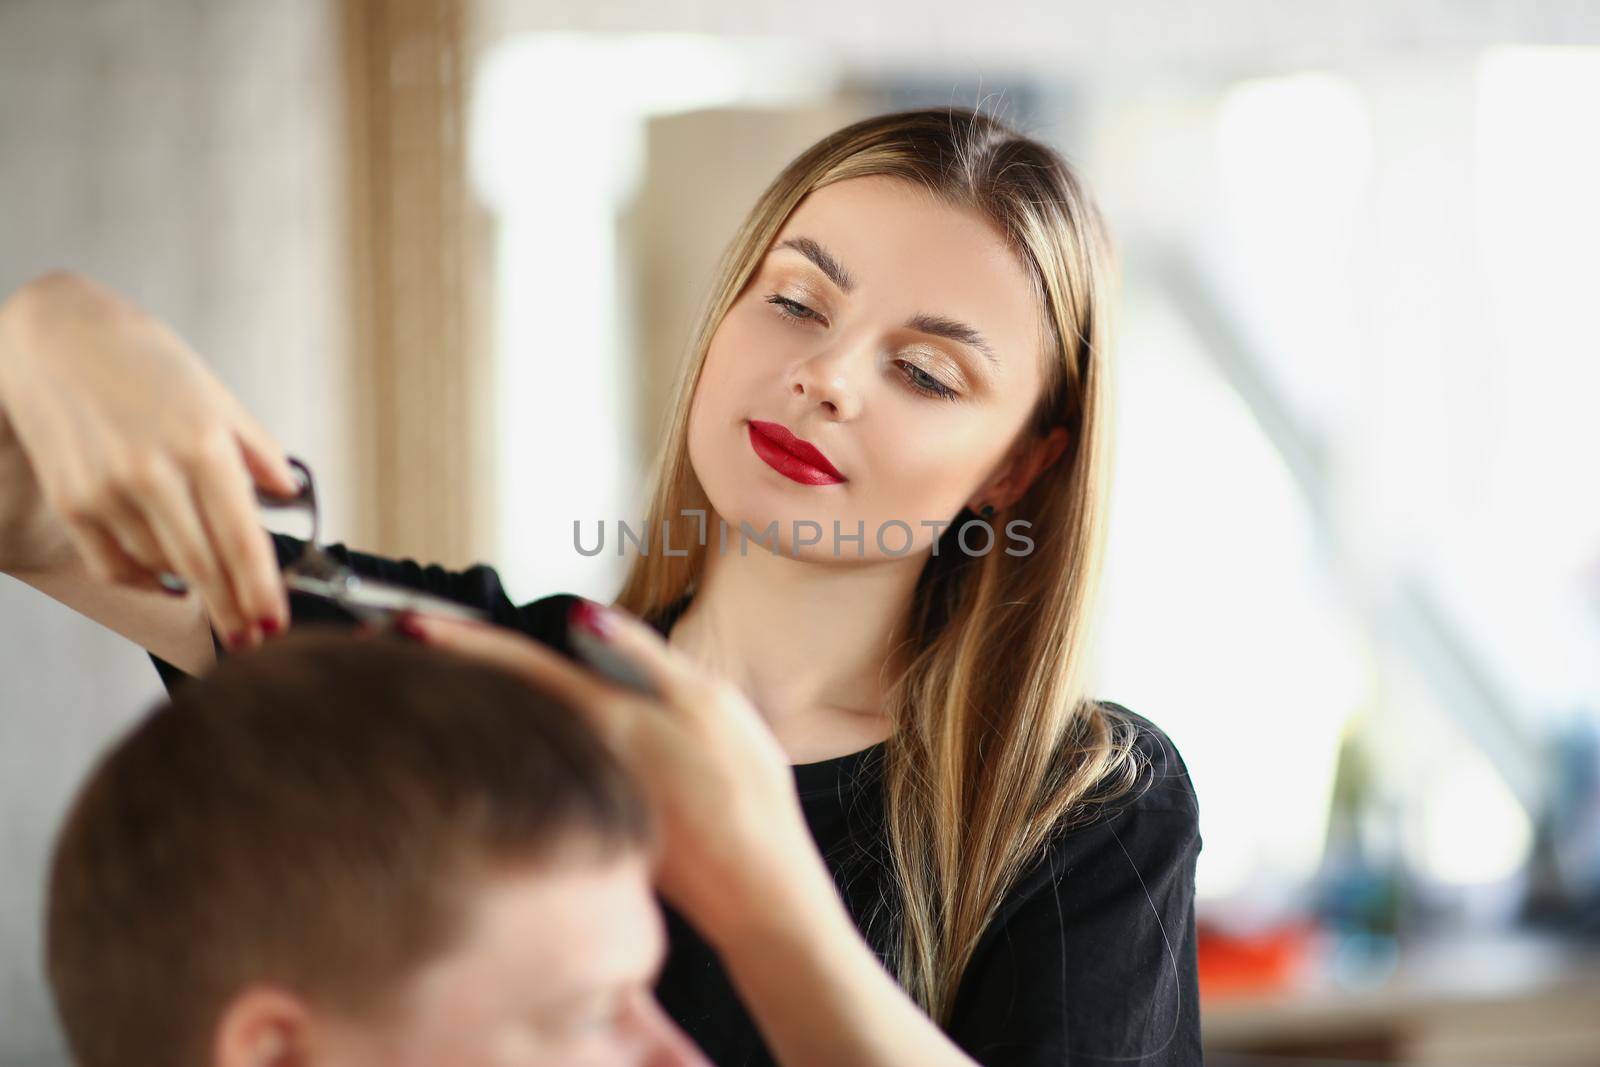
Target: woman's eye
point(791, 309)
point(924, 382)
point(919, 379)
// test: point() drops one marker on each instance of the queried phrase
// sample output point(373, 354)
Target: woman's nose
point(667, 1045)
point(833, 378)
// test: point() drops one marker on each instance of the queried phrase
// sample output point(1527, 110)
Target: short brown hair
point(312, 814)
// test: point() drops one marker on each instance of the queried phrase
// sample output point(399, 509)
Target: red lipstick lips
point(791, 456)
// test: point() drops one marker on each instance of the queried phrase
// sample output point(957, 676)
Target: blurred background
point(450, 251)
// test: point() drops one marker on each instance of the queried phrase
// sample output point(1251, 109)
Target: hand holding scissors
point(317, 573)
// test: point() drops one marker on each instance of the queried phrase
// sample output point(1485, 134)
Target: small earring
point(987, 511)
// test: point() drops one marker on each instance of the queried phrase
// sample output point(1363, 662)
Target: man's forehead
point(545, 934)
point(600, 916)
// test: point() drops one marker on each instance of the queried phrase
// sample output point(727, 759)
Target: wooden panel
point(421, 370)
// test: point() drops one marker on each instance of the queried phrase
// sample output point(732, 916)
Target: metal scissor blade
point(317, 573)
point(373, 600)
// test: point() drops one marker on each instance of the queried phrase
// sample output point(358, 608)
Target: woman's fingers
point(101, 552)
point(231, 515)
point(172, 513)
point(264, 458)
point(662, 665)
point(134, 536)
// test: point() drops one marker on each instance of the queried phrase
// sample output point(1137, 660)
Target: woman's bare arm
point(174, 628)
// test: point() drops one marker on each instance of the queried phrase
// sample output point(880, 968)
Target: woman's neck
point(812, 645)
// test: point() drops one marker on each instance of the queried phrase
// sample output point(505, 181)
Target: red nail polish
point(269, 627)
point(406, 625)
point(592, 617)
point(237, 639)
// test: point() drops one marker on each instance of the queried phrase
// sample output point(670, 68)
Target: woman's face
point(899, 337)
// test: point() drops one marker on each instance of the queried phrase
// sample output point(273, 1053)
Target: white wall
point(186, 152)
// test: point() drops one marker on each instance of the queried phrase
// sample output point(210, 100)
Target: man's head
point(353, 852)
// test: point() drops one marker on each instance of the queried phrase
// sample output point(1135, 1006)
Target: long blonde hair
point(995, 746)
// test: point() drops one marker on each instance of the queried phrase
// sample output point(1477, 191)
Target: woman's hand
point(739, 861)
point(735, 837)
point(31, 538)
point(143, 457)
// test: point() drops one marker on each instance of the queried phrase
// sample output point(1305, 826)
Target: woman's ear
point(263, 1027)
point(1033, 457)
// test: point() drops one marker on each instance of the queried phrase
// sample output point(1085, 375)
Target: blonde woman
point(898, 829)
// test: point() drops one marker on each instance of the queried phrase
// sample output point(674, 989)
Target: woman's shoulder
point(1108, 871)
point(1147, 817)
point(546, 619)
point(1163, 782)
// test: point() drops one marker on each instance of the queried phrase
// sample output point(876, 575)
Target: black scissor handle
point(316, 573)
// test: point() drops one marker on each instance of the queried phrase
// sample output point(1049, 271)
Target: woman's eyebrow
point(922, 322)
point(955, 330)
point(823, 259)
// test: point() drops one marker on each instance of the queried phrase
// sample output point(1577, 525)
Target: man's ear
point(1033, 457)
point(263, 1026)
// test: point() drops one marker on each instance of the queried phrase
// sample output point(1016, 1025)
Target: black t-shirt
point(1090, 959)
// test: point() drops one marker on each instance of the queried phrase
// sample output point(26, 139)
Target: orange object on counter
point(1262, 962)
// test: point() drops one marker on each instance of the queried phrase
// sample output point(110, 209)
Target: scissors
point(316, 573)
